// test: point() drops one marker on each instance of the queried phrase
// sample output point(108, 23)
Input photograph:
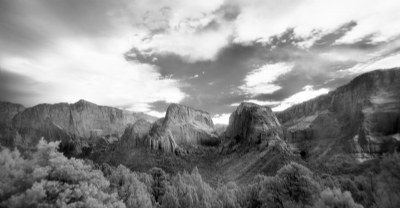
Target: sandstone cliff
point(7, 112)
point(360, 117)
point(77, 125)
point(182, 126)
point(81, 119)
point(251, 124)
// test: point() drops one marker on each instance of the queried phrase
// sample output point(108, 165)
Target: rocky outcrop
point(135, 134)
point(7, 112)
point(182, 126)
point(251, 124)
point(360, 116)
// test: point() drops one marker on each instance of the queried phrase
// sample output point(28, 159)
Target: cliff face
point(80, 119)
point(135, 134)
point(362, 115)
point(7, 113)
point(182, 126)
point(78, 125)
point(252, 124)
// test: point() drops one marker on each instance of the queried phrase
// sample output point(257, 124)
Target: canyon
point(359, 121)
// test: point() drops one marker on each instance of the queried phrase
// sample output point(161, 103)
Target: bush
point(335, 198)
point(292, 186)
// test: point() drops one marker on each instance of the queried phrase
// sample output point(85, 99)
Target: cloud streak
point(261, 80)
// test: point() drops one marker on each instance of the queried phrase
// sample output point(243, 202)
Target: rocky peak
point(252, 123)
point(84, 104)
point(183, 114)
point(182, 126)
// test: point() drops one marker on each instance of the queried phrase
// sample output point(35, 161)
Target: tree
point(293, 185)
point(132, 191)
point(159, 183)
point(52, 180)
point(335, 198)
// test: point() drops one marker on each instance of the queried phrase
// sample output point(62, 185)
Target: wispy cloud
point(307, 93)
point(261, 80)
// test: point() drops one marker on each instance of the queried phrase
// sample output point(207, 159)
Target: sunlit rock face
point(79, 125)
point(252, 125)
point(80, 119)
point(361, 117)
point(182, 126)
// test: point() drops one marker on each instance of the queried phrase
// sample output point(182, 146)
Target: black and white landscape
point(192, 104)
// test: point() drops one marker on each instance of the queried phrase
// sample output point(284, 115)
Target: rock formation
point(75, 124)
point(360, 117)
point(182, 126)
point(135, 134)
point(7, 112)
point(251, 124)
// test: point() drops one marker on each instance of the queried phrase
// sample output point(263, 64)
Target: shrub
point(335, 198)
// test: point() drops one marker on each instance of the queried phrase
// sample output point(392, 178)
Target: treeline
point(46, 178)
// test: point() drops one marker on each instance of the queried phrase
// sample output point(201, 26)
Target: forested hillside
point(46, 178)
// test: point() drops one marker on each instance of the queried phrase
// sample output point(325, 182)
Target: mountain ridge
point(361, 114)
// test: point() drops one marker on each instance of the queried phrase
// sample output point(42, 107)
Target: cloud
point(255, 50)
point(221, 118)
point(258, 102)
point(93, 69)
point(156, 113)
point(387, 62)
point(263, 19)
point(302, 96)
point(190, 45)
point(261, 80)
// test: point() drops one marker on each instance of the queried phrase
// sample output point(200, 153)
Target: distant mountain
point(360, 118)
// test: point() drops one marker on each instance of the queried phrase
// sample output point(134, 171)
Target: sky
point(212, 55)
